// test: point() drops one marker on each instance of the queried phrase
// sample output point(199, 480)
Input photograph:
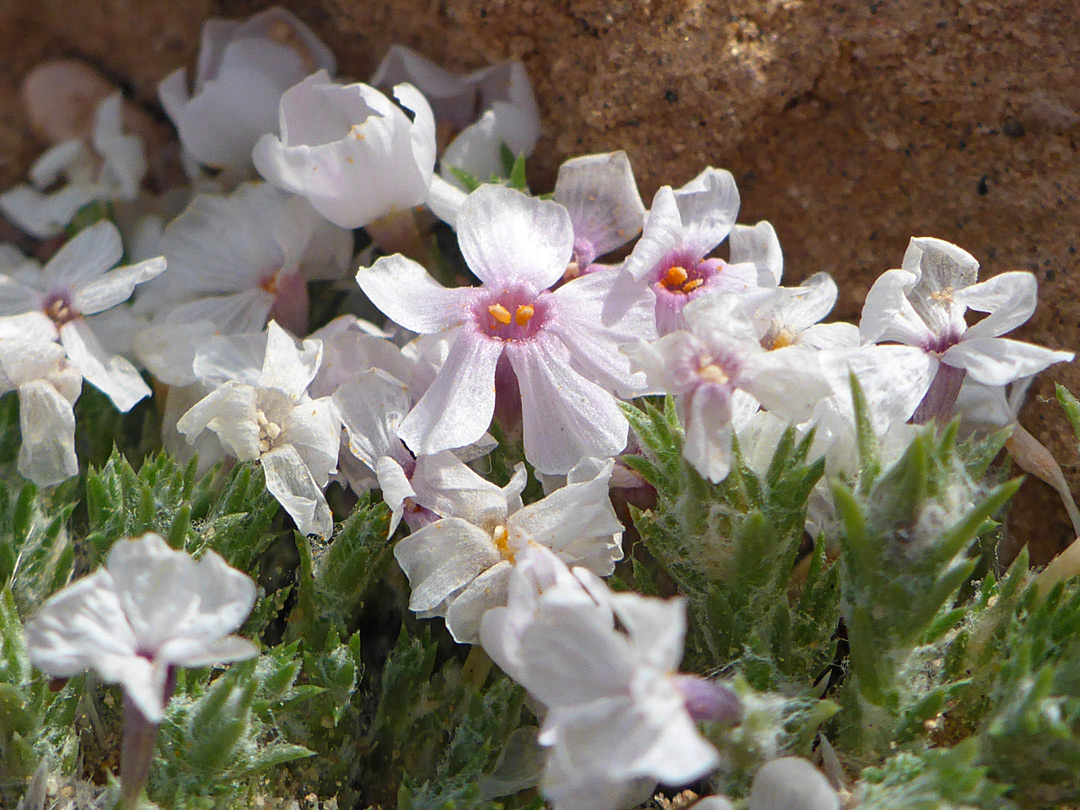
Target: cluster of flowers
point(551, 343)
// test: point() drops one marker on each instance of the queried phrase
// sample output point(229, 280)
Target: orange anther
point(690, 286)
point(524, 313)
point(675, 276)
point(500, 313)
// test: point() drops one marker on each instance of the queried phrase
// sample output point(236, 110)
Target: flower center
point(58, 306)
point(679, 279)
point(511, 315)
point(501, 538)
point(268, 432)
point(779, 337)
point(714, 374)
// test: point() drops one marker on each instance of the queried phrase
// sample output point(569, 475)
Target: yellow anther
point(500, 313)
point(501, 537)
point(524, 314)
point(675, 276)
point(780, 340)
point(714, 374)
point(690, 286)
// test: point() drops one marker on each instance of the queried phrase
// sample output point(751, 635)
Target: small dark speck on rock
point(671, 95)
point(982, 188)
point(1013, 128)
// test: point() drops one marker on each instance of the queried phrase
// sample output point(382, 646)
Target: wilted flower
point(349, 150)
point(243, 70)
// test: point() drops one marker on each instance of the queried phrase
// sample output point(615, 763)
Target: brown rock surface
point(851, 125)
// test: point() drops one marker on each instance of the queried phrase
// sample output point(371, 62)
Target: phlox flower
point(110, 165)
point(923, 304)
point(459, 565)
point(349, 150)
point(150, 609)
point(501, 95)
point(786, 316)
point(710, 362)
point(267, 416)
point(619, 716)
point(61, 299)
point(562, 345)
point(243, 69)
point(47, 385)
point(682, 228)
point(601, 196)
point(235, 262)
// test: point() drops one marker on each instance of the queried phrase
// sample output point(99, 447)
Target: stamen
point(712, 373)
point(675, 276)
point(501, 538)
point(690, 286)
point(500, 314)
point(524, 313)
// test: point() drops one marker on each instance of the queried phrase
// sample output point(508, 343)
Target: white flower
point(923, 304)
point(243, 70)
point(501, 93)
point(349, 150)
point(786, 316)
point(713, 360)
point(47, 386)
point(791, 783)
point(149, 610)
point(110, 167)
point(561, 345)
point(235, 261)
point(619, 716)
point(458, 566)
point(267, 416)
point(682, 228)
point(77, 283)
point(601, 196)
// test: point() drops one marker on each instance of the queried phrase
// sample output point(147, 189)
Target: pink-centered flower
point(682, 228)
point(562, 345)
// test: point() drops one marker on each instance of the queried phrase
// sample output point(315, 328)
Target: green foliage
point(731, 549)
point(905, 539)
point(36, 550)
point(437, 729)
point(940, 779)
point(36, 722)
point(230, 512)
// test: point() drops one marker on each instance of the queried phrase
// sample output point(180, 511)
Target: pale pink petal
point(662, 234)
point(508, 238)
point(112, 374)
point(999, 361)
point(1010, 298)
point(408, 295)
point(708, 206)
point(442, 558)
point(115, 286)
point(707, 445)
point(450, 488)
point(289, 481)
point(47, 423)
point(457, 408)
point(759, 246)
point(602, 197)
point(564, 415)
point(888, 315)
point(86, 257)
point(467, 608)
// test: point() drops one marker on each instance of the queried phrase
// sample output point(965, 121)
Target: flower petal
point(442, 558)
point(1010, 298)
point(999, 361)
point(115, 286)
point(112, 374)
point(289, 480)
point(602, 197)
point(457, 408)
point(508, 238)
point(407, 294)
point(564, 415)
point(708, 206)
point(47, 455)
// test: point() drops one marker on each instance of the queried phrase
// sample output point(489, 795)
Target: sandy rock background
point(851, 125)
